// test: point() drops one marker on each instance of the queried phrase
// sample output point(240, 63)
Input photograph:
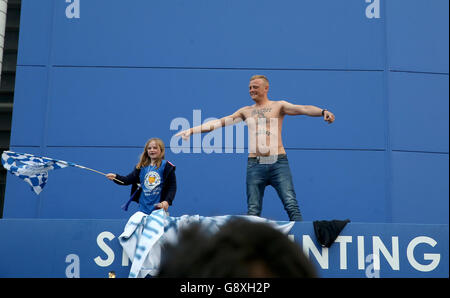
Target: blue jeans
point(277, 174)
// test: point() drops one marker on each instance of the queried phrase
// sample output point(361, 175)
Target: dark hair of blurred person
point(239, 249)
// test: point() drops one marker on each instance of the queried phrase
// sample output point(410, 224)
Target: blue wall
point(93, 89)
point(90, 248)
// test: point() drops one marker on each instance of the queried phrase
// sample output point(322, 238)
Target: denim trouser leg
point(256, 183)
point(281, 180)
point(277, 174)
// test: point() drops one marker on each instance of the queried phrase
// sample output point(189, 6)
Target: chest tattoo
point(261, 113)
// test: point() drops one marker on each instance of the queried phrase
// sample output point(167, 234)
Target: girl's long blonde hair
point(145, 160)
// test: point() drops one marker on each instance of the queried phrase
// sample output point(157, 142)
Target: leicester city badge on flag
point(32, 169)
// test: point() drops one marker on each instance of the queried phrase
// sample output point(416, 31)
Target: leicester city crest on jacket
point(151, 181)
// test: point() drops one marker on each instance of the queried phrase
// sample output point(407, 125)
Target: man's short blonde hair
point(260, 77)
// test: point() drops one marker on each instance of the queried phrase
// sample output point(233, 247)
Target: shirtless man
point(267, 160)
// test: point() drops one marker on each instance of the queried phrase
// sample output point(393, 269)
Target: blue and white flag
point(145, 235)
point(32, 169)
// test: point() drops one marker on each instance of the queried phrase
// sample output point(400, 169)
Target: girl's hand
point(111, 176)
point(163, 205)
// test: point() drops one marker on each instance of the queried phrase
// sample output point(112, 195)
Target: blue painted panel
point(329, 184)
point(420, 187)
point(336, 184)
point(78, 193)
point(52, 247)
point(201, 33)
point(35, 32)
point(116, 107)
point(124, 107)
point(418, 35)
point(29, 111)
point(346, 254)
point(356, 99)
point(38, 248)
point(418, 112)
point(118, 75)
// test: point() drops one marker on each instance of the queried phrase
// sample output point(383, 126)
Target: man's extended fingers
point(184, 134)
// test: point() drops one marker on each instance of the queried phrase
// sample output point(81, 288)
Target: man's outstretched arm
point(313, 111)
point(212, 125)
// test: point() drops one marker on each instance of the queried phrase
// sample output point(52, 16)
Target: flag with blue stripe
point(144, 235)
point(32, 169)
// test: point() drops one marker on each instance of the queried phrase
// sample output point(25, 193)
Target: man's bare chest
point(264, 113)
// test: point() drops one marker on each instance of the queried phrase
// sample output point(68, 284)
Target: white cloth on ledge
point(144, 235)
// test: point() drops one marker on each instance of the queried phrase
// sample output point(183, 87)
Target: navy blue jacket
point(168, 190)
